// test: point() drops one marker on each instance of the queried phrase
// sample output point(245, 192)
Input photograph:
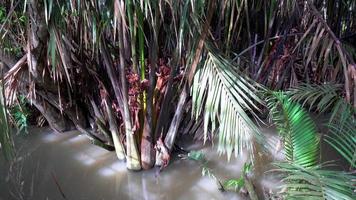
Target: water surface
point(66, 166)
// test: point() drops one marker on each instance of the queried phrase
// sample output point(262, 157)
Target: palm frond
point(343, 133)
point(322, 97)
point(224, 96)
point(316, 183)
point(324, 45)
point(296, 128)
point(342, 124)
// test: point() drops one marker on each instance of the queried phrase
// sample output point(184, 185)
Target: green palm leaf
point(316, 183)
point(296, 128)
point(223, 96)
point(342, 123)
point(322, 97)
point(343, 133)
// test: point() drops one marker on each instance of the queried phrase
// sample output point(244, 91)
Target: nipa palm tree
point(112, 70)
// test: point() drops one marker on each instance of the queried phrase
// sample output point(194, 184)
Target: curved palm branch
point(316, 183)
point(325, 45)
point(224, 96)
point(296, 128)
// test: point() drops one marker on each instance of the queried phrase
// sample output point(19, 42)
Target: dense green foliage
point(20, 114)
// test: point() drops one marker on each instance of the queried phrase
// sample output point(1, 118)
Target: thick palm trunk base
point(147, 150)
point(132, 157)
point(119, 148)
point(147, 153)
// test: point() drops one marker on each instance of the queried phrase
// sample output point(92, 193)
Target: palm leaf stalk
point(132, 155)
point(6, 142)
point(148, 98)
point(133, 33)
point(119, 146)
point(345, 58)
point(141, 42)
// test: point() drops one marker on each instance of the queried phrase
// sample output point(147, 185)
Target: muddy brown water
point(66, 166)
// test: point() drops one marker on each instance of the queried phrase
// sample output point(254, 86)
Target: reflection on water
point(50, 163)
